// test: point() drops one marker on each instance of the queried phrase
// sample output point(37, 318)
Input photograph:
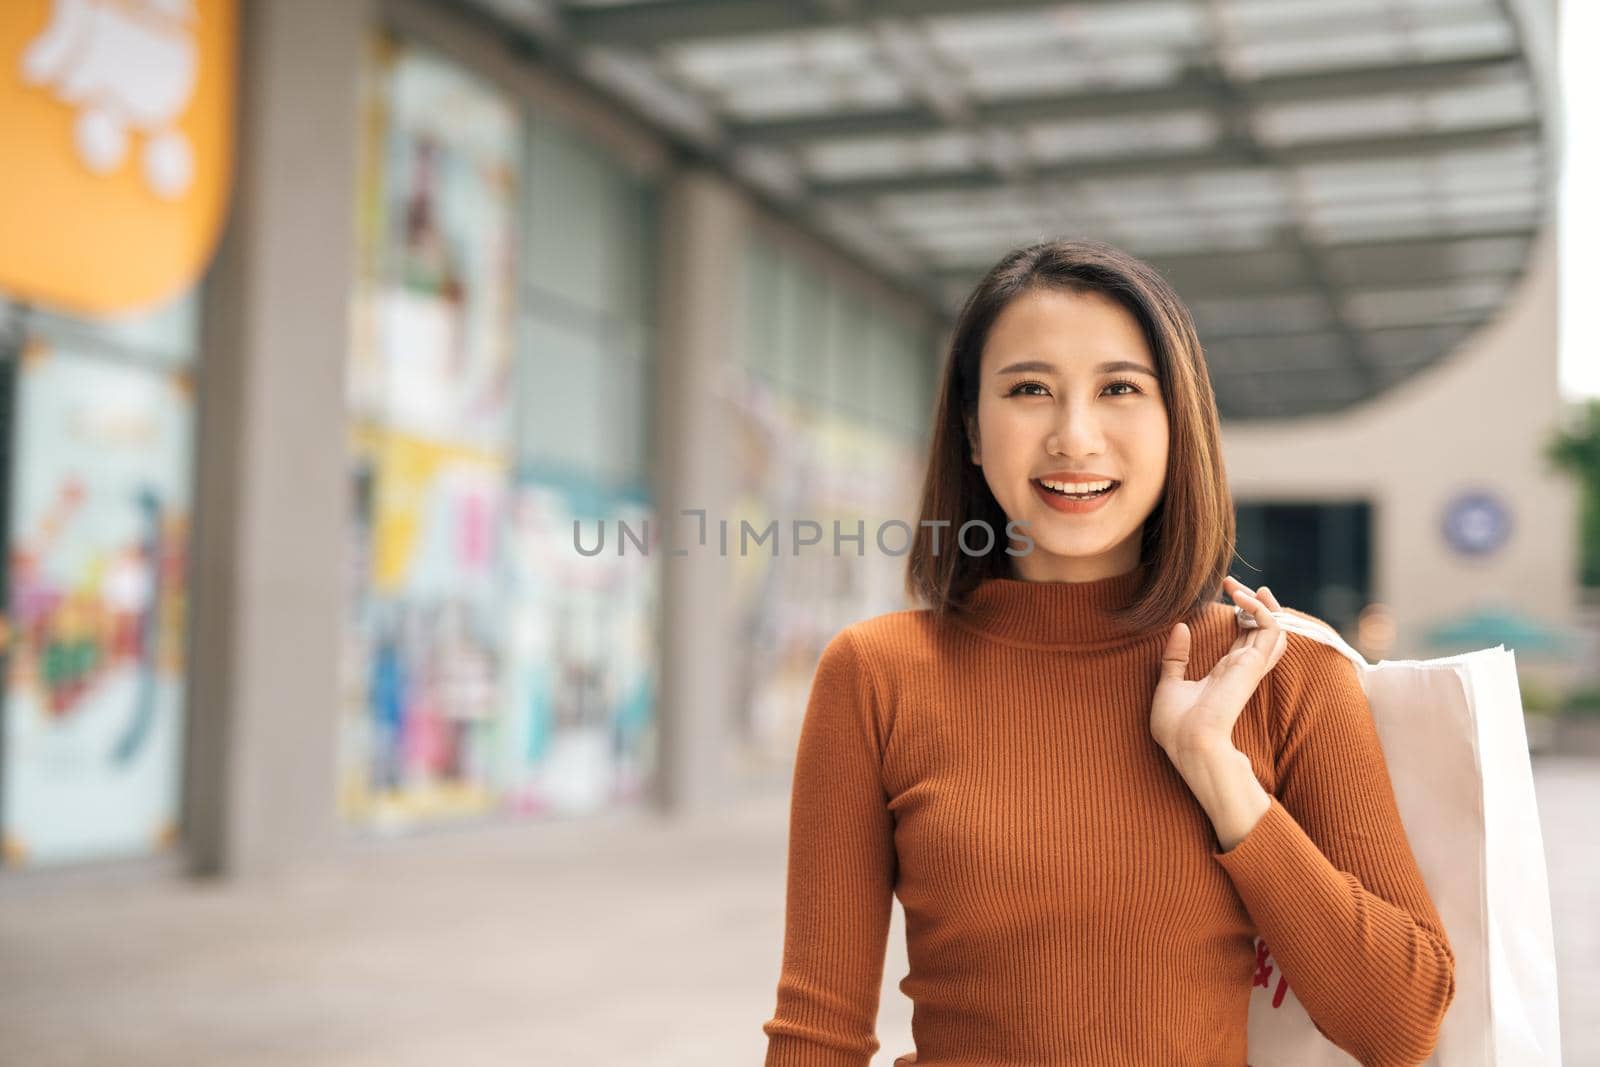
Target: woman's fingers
point(1265, 637)
point(1265, 596)
point(1231, 682)
point(1236, 676)
point(1232, 586)
point(1254, 605)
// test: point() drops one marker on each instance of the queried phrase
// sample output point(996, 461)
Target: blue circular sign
point(1476, 522)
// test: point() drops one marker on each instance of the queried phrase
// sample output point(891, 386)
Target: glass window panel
point(799, 305)
point(639, 250)
point(763, 313)
point(859, 357)
point(583, 224)
point(911, 370)
point(624, 421)
point(562, 379)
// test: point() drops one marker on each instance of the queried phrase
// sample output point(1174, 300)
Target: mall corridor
point(620, 940)
point(441, 439)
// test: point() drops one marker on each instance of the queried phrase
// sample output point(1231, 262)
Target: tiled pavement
point(622, 941)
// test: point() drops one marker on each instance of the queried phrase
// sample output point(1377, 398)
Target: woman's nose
point(1076, 433)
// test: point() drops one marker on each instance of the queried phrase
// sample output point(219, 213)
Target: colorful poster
point(799, 465)
point(98, 545)
point(437, 298)
point(581, 674)
point(425, 648)
point(430, 392)
point(489, 665)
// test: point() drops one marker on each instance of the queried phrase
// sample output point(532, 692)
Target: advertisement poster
point(796, 464)
point(98, 540)
point(581, 671)
point(426, 648)
point(489, 667)
point(431, 397)
point(436, 296)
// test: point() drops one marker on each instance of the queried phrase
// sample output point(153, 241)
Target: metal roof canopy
point(1341, 190)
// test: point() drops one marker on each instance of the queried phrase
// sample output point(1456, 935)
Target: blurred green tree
point(1576, 449)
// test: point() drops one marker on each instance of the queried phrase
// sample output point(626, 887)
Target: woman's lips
point(1070, 506)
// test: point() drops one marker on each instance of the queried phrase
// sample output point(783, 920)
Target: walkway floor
point(627, 941)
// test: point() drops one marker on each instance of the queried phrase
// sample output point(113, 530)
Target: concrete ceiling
point(1341, 190)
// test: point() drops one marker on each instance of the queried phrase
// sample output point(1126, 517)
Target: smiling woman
point(1101, 438)
point(1091, 792)
point(1072, 363)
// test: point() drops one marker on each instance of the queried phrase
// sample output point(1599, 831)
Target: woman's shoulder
point(892, 627)
point(1218, 628)
point(1305, 647)
point(1221, 613)
point(894, 639)
point(1314, 671)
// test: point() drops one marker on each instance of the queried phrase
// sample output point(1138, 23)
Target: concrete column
point(271, 509)
point(701, 309)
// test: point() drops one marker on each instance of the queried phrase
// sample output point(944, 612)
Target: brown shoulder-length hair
point(1188, 540)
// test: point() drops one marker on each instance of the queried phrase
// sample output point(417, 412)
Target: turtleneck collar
point(1053, 614)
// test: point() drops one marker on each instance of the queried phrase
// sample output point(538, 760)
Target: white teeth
point(1075, 487)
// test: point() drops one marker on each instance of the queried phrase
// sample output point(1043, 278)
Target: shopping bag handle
point(1306, 628)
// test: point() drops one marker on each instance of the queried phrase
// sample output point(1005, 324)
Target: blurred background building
point(327, 322)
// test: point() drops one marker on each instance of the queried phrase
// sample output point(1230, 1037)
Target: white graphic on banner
point(124, 66)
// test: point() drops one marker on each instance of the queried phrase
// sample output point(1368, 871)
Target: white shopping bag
point(1454, 740)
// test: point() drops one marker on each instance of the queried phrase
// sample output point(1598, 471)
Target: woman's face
point(1068, 393)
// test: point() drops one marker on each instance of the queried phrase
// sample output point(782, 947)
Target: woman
point(1090, 786)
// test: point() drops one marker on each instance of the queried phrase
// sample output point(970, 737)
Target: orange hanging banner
point(116, 144)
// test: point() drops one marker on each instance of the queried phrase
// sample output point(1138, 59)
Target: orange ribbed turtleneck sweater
point(1065, 897)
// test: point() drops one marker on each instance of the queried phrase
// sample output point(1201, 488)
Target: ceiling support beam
point(1196, 87)
point(1232, 152)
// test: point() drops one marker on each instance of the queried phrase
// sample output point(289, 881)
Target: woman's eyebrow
point(1050, 368)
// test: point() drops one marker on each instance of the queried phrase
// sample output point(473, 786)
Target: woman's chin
point(1071, 547)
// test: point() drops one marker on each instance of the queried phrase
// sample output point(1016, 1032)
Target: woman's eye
point(1020, 386)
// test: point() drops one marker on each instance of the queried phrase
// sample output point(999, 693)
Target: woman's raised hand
point(1190, 718)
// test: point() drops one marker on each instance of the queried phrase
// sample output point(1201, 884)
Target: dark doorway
point(1316, 557)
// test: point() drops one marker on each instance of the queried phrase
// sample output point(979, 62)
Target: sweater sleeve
point(841, 874)
point(1328, 874)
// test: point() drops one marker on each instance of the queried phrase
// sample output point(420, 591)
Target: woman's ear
point(972, 439)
